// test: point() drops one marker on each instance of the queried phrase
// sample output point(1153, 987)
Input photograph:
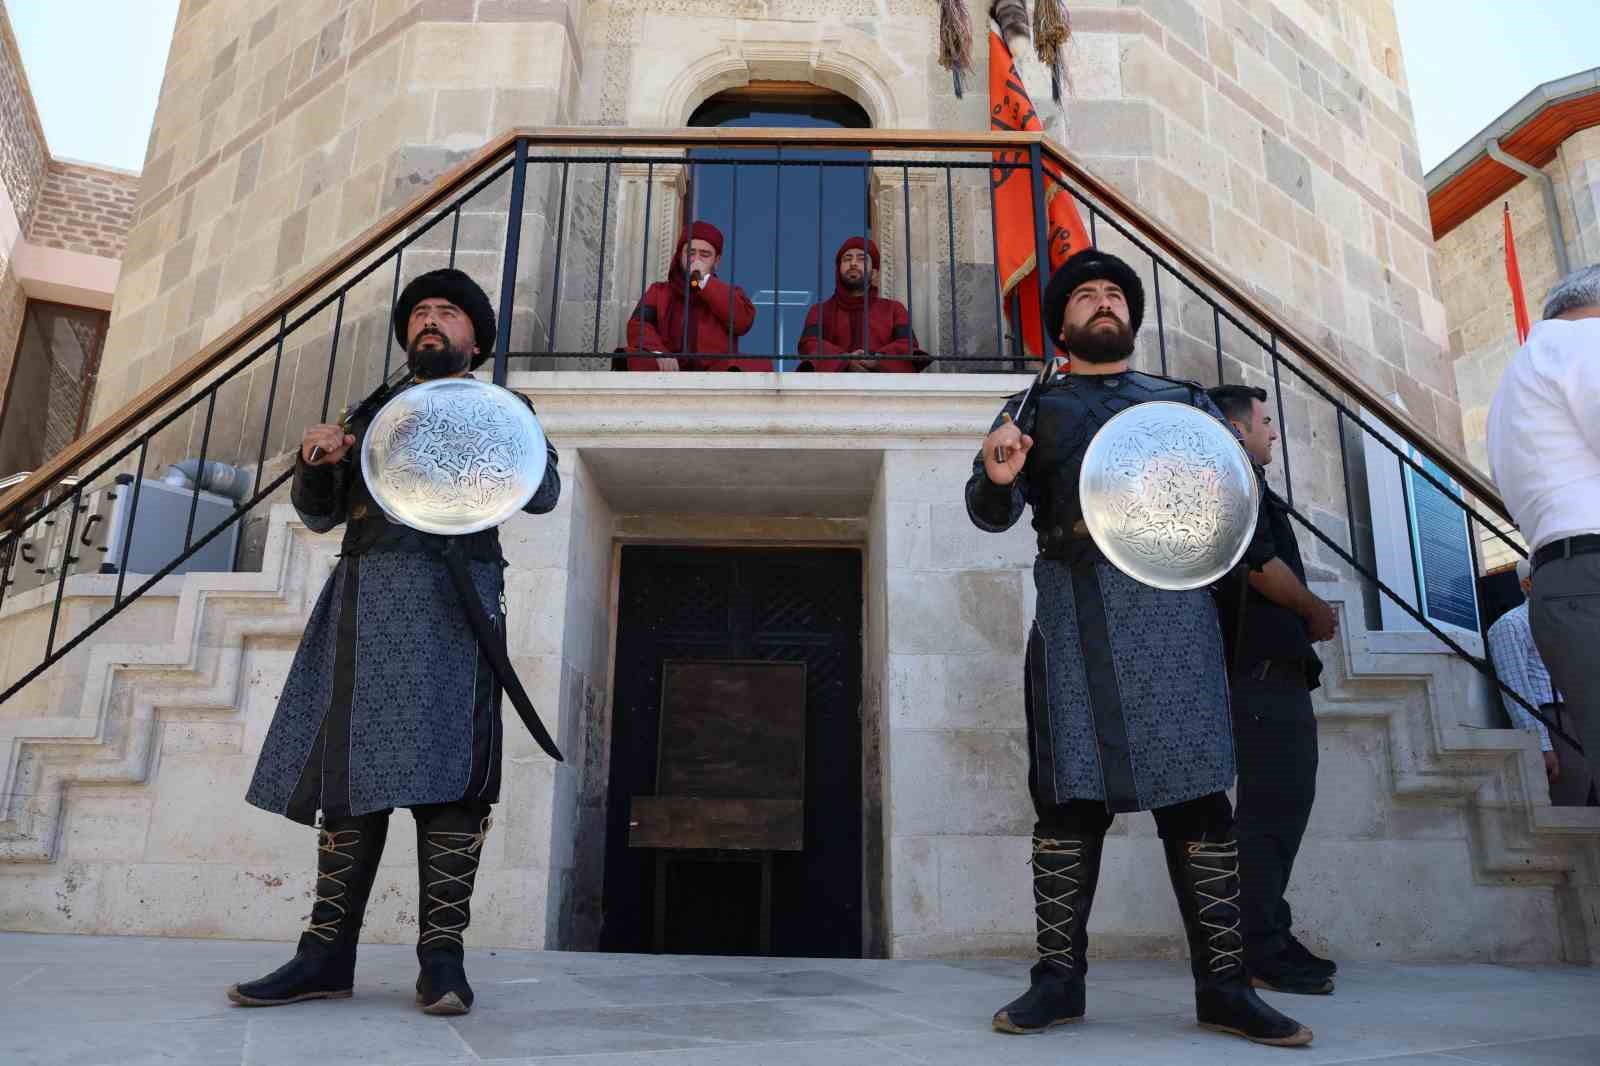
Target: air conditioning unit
point(153, 535)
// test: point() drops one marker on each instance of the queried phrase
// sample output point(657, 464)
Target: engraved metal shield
point(453, 456)
point(1169, 495)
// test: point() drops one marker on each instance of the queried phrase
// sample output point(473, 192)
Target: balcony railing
point(575, 224)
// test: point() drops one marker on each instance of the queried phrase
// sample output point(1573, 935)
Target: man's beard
point(854, 284)
point(440, 362)
point(1094, 345)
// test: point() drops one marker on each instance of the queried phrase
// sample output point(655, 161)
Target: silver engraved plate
point(453, 456)
point(1169, 495)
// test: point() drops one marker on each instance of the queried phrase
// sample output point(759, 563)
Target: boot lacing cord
point(1222, 958)
point(468, 846)
point(331, 843)
point(1072, 849)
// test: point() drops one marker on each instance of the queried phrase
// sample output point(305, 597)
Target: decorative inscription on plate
point(1168, 495)
point(453, 457)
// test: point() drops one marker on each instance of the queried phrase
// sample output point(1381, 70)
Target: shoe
point(1283, 973)
point(1064, 875)
point(449, 844)
point(1205, 878)
point(1302, 956)
point(324, 963)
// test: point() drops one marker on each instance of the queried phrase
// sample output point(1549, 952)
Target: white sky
point(1467, 61)
point(95, 66)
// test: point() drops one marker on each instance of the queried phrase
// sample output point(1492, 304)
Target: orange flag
point(1519, 302)
point(1011, 109)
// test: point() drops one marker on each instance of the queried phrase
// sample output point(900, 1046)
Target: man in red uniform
point(683, 323)
point(835, 326)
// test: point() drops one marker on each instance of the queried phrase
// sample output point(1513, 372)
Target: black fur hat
point(1091, 264)
point(455, 286)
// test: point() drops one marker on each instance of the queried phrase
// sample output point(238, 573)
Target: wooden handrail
point(211, 357)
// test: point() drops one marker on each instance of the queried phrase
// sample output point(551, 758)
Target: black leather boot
point(449, 843)
point(324, 963)
point(1064, 876)
point(1205, 877)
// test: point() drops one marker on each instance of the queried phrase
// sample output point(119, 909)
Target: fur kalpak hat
point(1091, 264)
point(455, 286)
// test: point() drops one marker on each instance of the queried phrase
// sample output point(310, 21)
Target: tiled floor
point(131, 1002)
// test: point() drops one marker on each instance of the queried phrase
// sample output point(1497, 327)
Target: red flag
point(1519, 302)
point(1012, 110)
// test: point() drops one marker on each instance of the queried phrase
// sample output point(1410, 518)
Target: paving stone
point(93, 1000)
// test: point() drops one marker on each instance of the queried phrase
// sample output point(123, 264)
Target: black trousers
point(1275, 737)
point(1207, 818)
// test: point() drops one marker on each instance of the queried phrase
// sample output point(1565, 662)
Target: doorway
point(782, 224)
point(770, 605)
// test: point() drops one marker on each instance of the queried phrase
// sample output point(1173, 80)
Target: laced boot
point(1205, 877)
point(324, 963)
point(1064, 876)
point(449, 845)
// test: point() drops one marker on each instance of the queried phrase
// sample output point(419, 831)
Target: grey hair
point(1581, 288)
point(1524, 570)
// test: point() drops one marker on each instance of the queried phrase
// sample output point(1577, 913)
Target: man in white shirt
point(1519, 667)
point(1544, 452)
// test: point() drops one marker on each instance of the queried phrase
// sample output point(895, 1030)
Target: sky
point(95, 66)
point(1467, 61)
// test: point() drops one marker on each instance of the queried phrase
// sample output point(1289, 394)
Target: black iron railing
point(245, 398)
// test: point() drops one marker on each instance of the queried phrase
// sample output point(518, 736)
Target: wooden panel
point(732, 728)
point(726, 824)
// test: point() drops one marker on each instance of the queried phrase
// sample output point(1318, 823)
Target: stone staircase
point(95, 718)
point(1441, 752)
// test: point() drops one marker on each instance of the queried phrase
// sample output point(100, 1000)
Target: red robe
point(657, 325)
point(834, 326)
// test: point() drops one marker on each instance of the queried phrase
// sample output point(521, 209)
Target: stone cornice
point(598, 408)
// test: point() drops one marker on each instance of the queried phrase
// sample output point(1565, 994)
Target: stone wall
point(1472, 272)
point(285, 129)
point(22, 147)
point(84, 208)
point(22, 163)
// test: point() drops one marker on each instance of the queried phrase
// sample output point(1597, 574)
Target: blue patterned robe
point(389, 702)
point(1126, 697)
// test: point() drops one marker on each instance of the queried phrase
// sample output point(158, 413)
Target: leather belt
point(1268, 669)
point(1566, 547)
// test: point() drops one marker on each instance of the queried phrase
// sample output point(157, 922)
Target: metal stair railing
point(273, 362)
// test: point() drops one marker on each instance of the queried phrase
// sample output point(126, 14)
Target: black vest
point(1070, 411)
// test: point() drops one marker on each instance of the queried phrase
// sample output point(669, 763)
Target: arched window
point(782, 224)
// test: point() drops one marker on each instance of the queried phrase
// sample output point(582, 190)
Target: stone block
point(914, 898)
point(959, 782)
point(1288, 170)
point(985, 885)
point(956, 544)
point(957, 612)
point(955, 691)
point(1114, 127)
point(1182, 206)
point(1150, 74)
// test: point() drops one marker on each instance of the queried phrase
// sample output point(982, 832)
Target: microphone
point(696, 279)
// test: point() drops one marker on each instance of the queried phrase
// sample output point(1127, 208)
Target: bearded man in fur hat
point(392, 701)
point(1125, 692)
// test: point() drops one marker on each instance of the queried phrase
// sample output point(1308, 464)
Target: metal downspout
point(1552, 213)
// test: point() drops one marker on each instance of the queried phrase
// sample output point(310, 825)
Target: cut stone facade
point(1273, 136)
point(22, 165)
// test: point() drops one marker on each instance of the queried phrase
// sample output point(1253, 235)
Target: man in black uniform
point(1124, 685)
point(393, 699)
point(1272, 675)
